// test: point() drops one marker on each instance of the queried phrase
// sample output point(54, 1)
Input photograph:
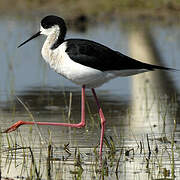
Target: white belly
point(59, 60)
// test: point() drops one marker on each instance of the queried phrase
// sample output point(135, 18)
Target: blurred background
point(134, 106)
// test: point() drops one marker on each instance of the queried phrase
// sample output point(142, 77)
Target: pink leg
point(79, 125)
point(102, 122)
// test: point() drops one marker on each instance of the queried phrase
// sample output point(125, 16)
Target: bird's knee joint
point(20, 122)
point(82, 124)
point(103, 122)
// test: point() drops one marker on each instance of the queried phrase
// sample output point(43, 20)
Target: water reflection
point(154, 100)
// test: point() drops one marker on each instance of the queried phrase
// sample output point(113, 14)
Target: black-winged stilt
point(84, 62)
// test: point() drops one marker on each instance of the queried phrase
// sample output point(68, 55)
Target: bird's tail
point(154, 67)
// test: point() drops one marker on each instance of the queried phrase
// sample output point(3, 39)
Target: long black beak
point(34, 36)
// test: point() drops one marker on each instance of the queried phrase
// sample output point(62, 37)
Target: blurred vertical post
point(152, 92)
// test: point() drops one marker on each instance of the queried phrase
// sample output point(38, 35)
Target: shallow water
point(133, 107)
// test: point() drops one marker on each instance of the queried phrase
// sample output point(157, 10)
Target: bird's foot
point(14, 127)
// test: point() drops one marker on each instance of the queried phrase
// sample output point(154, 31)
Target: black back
point(97, 56)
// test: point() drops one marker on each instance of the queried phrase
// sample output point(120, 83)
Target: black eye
point(45, 26)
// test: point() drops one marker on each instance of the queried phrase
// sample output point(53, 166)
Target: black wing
point(97, 56)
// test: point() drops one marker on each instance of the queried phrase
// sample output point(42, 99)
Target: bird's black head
point(52, 20)
point(48, 25)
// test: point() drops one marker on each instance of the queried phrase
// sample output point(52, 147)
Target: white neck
point(50, 40)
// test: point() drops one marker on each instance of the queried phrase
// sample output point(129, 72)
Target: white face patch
point(49, 31)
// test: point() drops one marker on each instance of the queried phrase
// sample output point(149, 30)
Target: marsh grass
point(113, 159)
point(35, 157)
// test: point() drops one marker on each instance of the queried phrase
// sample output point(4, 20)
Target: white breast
point(59, 60)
